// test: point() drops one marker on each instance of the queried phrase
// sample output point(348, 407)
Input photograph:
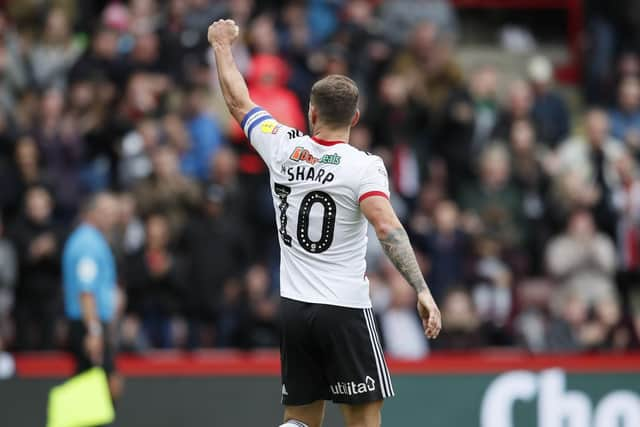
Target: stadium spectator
point(446, 247)
point(563, 334)
point(23, 172)
point(532, 164)
point(492, 291)
point(205, 136)
point(8, 279)
point(129, 234)
point(155, 289)
point(483, 87)
point(550, 111)
point(398, 17)
point(62, 148)
point(167, 190)
point(101, 60)
point(135, 152)
point(217, 252)
point(38, 243)
point(12, 65)
point(590, 161)
point(55, 53)
point(436, 84)
point(398, 124)
point(223, 172)
point(462, 329)
point(625, 119)
point(583, 259)
point(518, 106)
point(493, 205)
point(257, 324)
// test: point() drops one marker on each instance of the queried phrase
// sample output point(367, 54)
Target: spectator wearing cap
point(549, 110)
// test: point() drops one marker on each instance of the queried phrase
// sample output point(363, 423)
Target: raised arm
point(221, 35)
point(396, 245)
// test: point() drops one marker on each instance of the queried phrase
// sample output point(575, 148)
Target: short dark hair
point(335, 98)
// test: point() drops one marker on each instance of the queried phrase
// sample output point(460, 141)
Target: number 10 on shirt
point(302, 229)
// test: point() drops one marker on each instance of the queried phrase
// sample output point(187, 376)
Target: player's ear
point(356, 118)
point(313, 114)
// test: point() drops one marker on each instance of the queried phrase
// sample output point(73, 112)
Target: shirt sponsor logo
point(352, 388)
point(301, 154)
point(270, 126)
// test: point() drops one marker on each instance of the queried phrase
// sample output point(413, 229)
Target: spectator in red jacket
point(267, 79)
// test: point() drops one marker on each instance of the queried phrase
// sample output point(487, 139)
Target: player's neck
point(329, 134)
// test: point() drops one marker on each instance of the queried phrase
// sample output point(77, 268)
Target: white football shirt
point(317, 187)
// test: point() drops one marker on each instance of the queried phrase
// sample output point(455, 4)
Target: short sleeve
point(85, 271)
point(264, 132)
point(374, 180)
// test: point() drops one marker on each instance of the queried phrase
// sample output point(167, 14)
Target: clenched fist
point(223, 32)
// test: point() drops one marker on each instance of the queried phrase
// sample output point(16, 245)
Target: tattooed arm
point(396, 245)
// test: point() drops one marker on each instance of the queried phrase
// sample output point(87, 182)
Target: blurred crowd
point(524, 210)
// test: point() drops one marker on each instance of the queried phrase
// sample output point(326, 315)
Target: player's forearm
point(395, 243)
point(234, 89)
point(90, 313)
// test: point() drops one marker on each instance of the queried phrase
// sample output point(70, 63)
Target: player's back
point(317, 187)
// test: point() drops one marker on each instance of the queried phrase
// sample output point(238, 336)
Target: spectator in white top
point(583, 260)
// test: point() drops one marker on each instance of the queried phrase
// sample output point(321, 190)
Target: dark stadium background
point(511, 130)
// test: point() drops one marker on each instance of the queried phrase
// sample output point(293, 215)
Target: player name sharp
point(304, 173)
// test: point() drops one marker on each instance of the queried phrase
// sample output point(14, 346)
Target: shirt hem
point(325, 301)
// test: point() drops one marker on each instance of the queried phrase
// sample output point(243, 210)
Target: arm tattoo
point(398, 248)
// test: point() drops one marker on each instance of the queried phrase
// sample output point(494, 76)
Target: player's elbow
point(384, 227)
point(239, 107)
